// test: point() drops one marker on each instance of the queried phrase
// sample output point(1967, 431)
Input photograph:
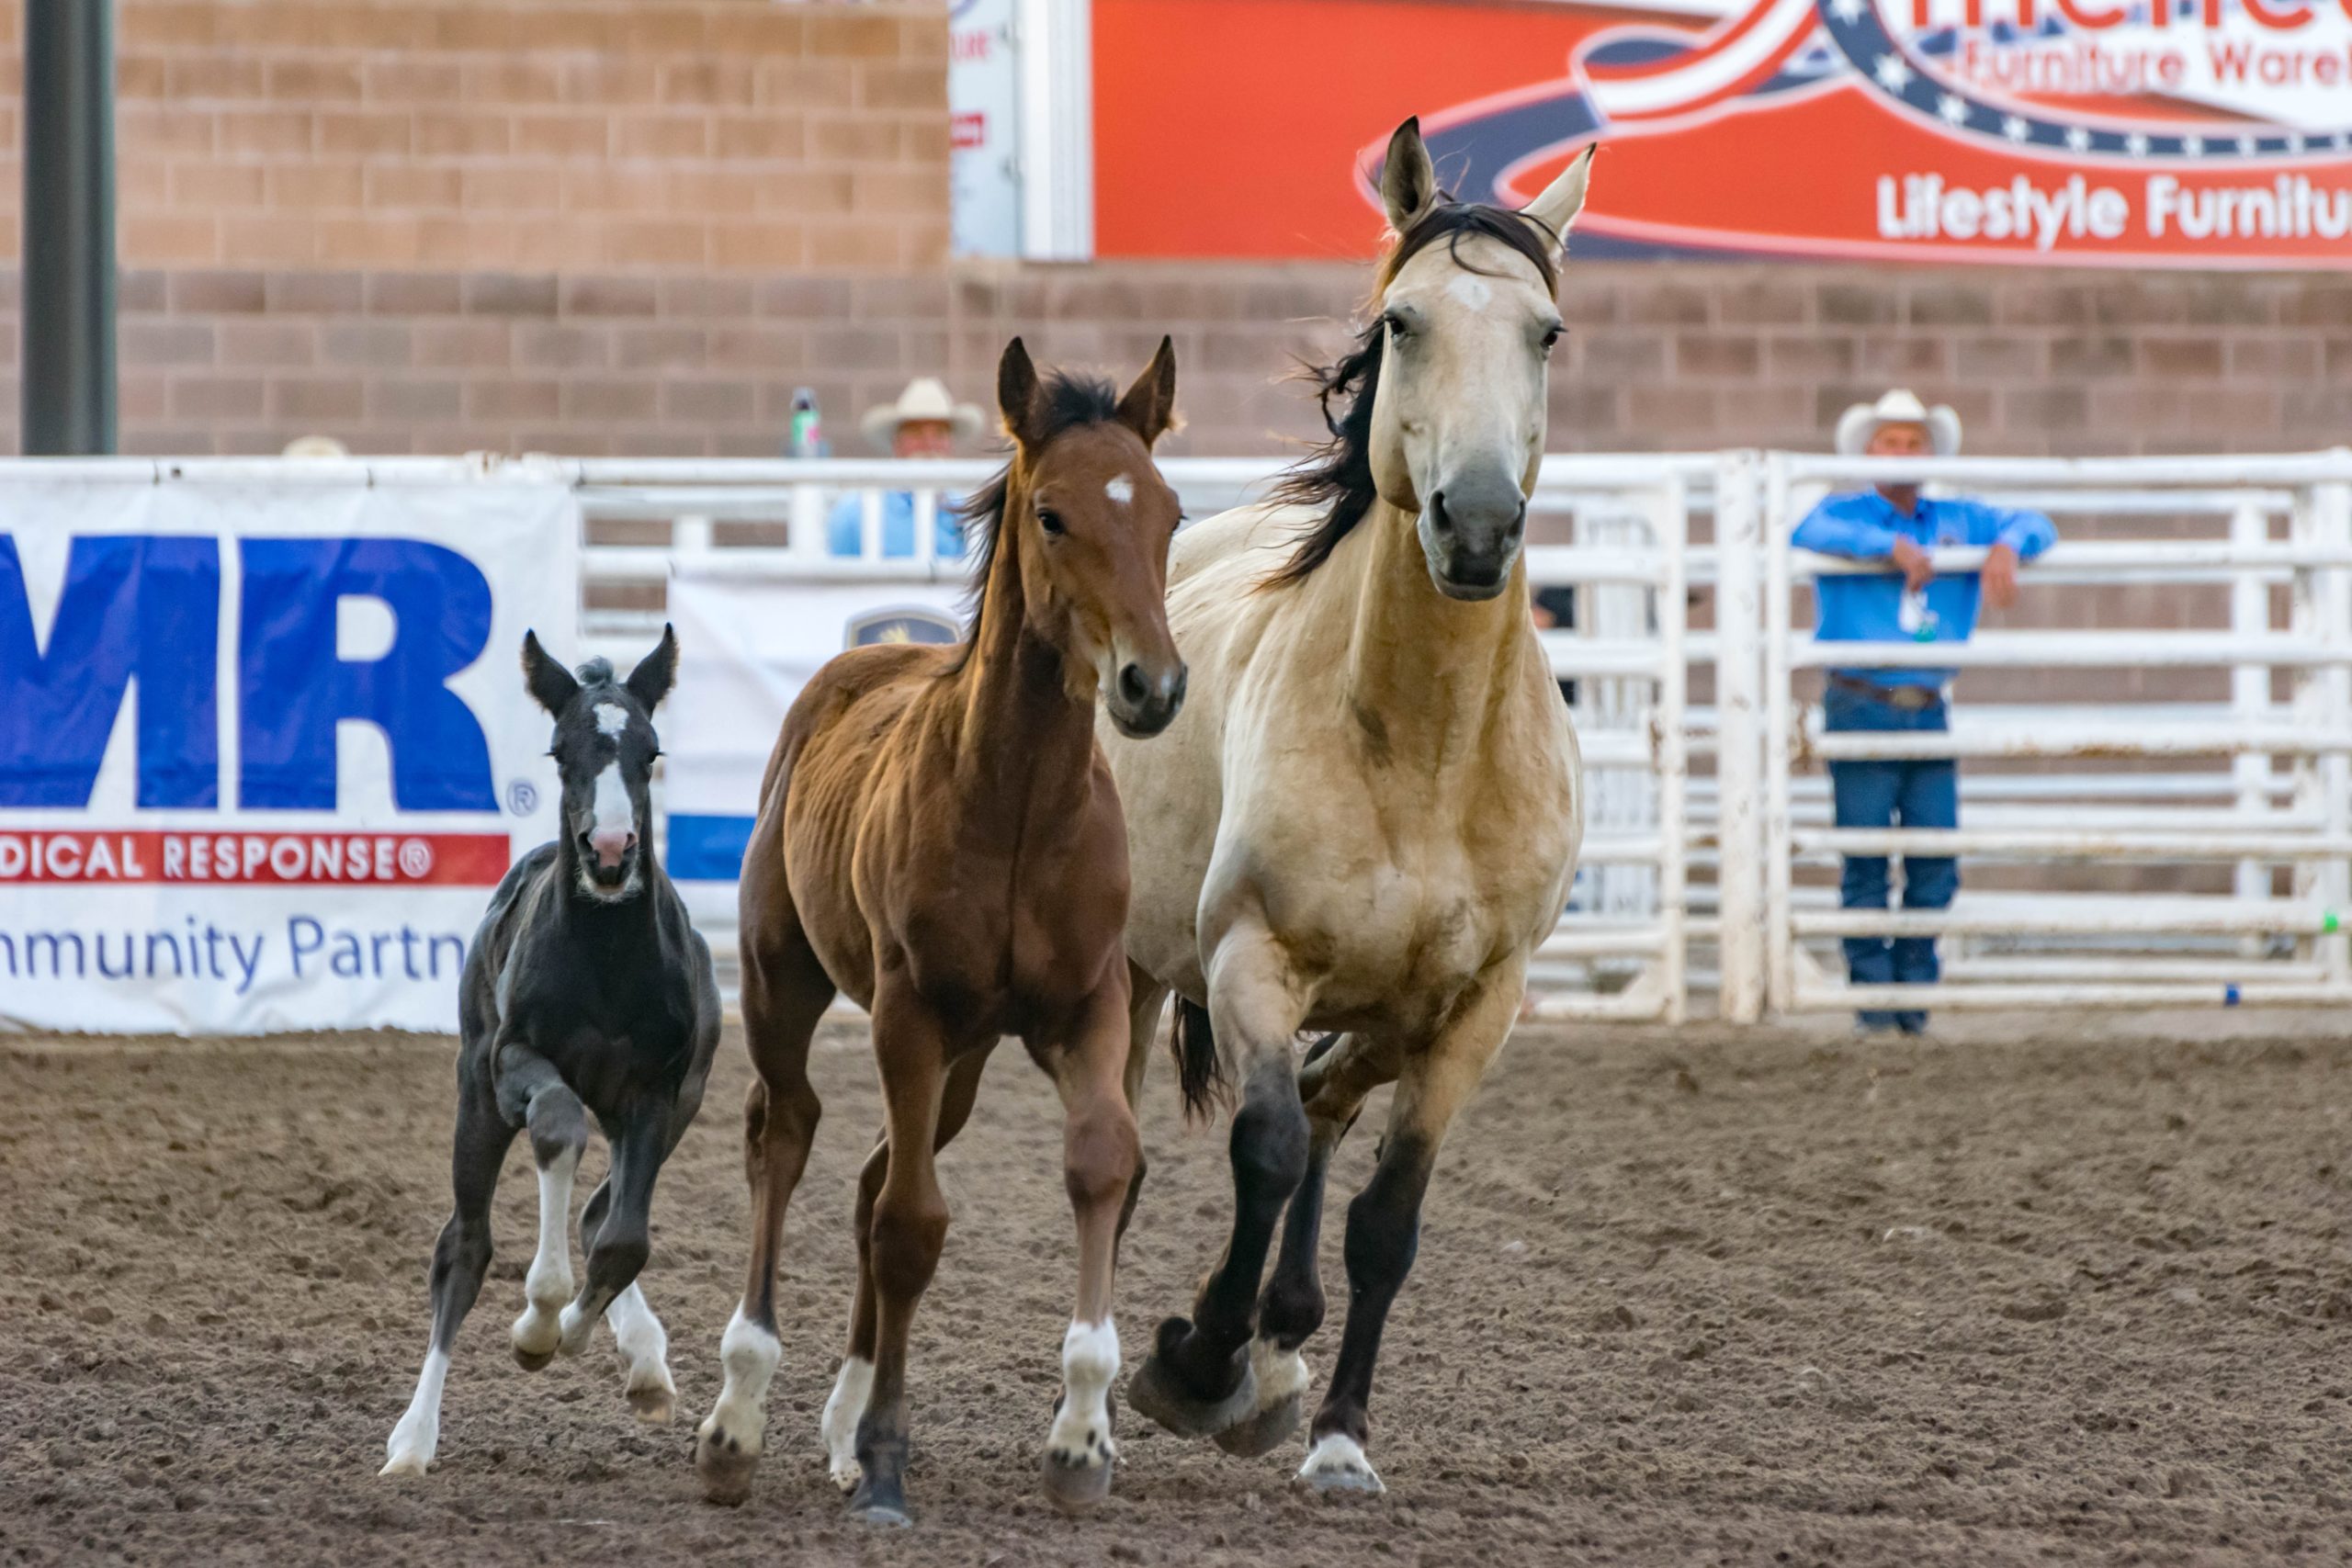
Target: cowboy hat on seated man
point(1897, 525)
point(926, 422)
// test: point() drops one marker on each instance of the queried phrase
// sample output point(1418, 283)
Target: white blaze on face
point(1470, 292)
point(614, 811)
point(1121, 489)
point(611, 718)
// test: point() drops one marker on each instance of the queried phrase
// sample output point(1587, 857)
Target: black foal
point(586, 990)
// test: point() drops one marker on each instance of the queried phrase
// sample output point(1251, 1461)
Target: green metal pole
point(67, 390)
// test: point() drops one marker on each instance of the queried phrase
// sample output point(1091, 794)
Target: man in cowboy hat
point(1896, 524)
point(926, 422)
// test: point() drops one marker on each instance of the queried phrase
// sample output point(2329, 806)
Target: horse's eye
point(1551, 338)
point(1050, 521)
point(1399, 329)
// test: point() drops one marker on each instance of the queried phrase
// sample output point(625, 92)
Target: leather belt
point(1911, 699)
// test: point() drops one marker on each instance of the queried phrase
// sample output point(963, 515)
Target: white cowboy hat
point(1901, 406)
point(926, 397)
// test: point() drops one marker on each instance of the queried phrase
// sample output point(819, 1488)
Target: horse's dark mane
point(1069, 399)
point(1337, 476)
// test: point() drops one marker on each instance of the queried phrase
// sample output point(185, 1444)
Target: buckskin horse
point(586, 990)
point(940, 838)
point(1368, 816)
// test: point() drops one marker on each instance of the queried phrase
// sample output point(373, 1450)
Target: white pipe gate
point(1628, 515)
point(2066, 941)
point(2249, 783)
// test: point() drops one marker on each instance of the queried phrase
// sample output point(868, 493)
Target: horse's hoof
point(403, 1464)
point(884, 1506)
point(533, 1360)
point(1155, 1391)
point(1075, 1488)
point(1337, 1464)
point(725, 1469)
point(653, 1404)
point(1261, 1434)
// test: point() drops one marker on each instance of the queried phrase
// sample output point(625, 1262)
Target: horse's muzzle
point(608, 862)
point(1470, 533)
point(1142, 702)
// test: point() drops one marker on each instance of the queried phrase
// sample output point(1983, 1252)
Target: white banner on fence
point(746, 648)
point(265, 748)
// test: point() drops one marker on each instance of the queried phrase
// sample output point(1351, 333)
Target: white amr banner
point(265, 748)
point(747, 645)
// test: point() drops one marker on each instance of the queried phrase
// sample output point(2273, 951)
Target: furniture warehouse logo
point(2182, 133)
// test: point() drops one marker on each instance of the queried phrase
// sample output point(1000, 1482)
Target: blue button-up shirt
point(1864, 527)
point(845, 529)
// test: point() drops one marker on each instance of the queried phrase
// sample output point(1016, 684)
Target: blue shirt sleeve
point(844, 526)
point(2000, 525)
point(1832, 528)
point(2023, 532)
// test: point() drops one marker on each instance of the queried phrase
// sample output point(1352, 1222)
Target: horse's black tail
point(1200, 1071)
point(1321, 1049)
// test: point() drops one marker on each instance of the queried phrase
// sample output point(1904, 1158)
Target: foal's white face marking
point(1121, 489)
point(614, 809)
point(612, 813)
point(611, 718)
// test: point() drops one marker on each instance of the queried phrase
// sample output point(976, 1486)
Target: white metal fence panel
point(2246, 790)
point(2109, 806)
point(1621, 949)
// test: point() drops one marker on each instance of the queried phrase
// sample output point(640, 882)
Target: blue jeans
point(1892, 794)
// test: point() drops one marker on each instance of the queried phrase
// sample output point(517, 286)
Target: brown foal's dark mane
point(1337, 476)
point(1069, 399)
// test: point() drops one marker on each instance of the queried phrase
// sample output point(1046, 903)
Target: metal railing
point(2250, 944)
point(1627, 518)
point(1708, 828)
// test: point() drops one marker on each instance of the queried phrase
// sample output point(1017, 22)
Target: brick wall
point(523, 134)
point(706, 361)
point(602, 225)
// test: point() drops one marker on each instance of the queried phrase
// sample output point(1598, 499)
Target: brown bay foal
point(939, 838)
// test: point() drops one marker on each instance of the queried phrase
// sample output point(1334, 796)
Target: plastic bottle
point(808, 438)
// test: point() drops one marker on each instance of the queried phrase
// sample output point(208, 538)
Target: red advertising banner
point(2194, 133)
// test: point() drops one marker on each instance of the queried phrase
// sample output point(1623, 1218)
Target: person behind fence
point(1897, 525)
point(926, 422)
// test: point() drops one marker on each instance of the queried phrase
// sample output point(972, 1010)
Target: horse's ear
point(1558, 208)
point(1150, 406)
point(547, 681)
point(1407, 178)
point(656, 672)
point(1016, 393)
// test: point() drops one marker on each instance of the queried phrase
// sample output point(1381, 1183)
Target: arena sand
point(1688, 1297)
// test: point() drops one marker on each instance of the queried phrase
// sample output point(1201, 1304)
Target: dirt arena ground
point(1683, 1298)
